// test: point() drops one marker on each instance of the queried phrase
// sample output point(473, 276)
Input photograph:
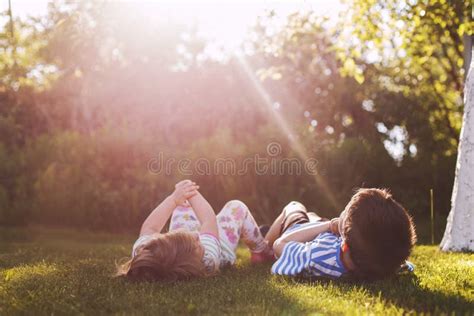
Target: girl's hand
point(184, 190)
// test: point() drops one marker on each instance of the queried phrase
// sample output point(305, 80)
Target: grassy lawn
point(61, 272)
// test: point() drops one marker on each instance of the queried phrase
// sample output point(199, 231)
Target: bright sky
point(225, 21)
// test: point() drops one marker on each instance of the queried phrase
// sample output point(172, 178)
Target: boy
point(370, 240)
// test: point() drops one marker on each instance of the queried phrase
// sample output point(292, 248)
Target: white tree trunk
point(459, 233)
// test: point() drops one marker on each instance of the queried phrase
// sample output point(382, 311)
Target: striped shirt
point(212, 252)
point(141, 241)
point(319, 257)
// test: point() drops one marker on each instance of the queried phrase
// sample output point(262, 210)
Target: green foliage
point(90, 94)
point(62, 272)
point(367, 77)
point(90, 184)
point(412, 54)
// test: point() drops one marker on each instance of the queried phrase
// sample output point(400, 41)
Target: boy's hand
point(334, 226)
point(184, 190)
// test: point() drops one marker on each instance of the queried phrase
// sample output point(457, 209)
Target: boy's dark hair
point(379, 232)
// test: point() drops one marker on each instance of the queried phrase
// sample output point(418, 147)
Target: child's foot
point(261, 257)
point(267, 254)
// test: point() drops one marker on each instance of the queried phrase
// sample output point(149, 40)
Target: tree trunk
point(459, 233)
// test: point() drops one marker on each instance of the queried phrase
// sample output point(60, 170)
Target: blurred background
point(92, 91)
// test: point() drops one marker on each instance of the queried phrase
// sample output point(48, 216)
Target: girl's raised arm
point(155, 222)
point(205, 214)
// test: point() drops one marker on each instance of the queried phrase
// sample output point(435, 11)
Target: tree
point(459, 234)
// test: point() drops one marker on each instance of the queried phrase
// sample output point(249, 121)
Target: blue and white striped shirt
point(319, 257)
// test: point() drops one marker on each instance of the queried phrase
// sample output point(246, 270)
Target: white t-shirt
point(142, 240)
point(212, 251)
point(210, 243)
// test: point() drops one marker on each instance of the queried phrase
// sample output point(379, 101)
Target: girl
point(198, 243)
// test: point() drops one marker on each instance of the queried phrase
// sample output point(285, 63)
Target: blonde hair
point(167, 257)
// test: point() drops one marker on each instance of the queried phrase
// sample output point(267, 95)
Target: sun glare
point(225, 24)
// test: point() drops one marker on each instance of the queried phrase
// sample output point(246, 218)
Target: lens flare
point(285, 127)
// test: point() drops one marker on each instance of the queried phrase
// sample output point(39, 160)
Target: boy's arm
point(205, 214)
point(157, 219)
point(274, 230)
point(309, 232)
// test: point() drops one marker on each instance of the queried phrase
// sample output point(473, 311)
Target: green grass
point(61, 272)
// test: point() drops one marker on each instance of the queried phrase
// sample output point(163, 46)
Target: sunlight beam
point(282, 123)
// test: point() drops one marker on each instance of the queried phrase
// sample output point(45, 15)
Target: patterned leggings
point(234, 222)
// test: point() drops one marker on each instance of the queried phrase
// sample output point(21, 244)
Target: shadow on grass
point(85, 286)
point(248, 289)
point(403, 291)
point(52, 274)
point(236, 290)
